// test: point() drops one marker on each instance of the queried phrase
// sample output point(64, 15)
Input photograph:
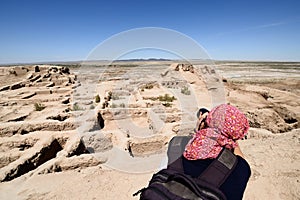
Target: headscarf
point(226, 124)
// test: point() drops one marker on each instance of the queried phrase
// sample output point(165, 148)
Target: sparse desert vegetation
point(138, 112)
point(97, 98)
point(166, 98)
point(185, 90)
point(39, 107)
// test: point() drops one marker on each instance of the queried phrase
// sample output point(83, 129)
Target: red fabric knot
point(226, 124)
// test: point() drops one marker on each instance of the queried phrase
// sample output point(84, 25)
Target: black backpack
point(173, 184)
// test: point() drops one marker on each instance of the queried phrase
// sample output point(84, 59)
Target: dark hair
point(202, 110)
point(203, 121)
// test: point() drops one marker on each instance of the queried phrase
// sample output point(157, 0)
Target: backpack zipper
point(196, 188)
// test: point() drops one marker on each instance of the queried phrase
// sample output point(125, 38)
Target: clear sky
point(62, 30)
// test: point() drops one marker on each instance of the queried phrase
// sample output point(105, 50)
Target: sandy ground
point(269, 99)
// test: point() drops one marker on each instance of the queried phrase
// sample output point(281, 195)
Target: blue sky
point(36, 31)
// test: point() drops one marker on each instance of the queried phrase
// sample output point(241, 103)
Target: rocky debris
point(26, 155)
point(58, 69)
point(25, 69)
point(266, 104)
point(174, 83)
point(12, 149)
point(273, 106)
point(35, 78)
point(39, 80)
point(9, 129)
point(29, 162)
point(18, 143)
point(105, 104)
point(30, 76)
point(208, 70)
point(100, 120)
point(44, 92)
point(24, 146)
point(66, 101)
point(107, 115)
point(87, 102)
point(147, 146)
point(18, 118)
point(59, 117)
point(7, 159)
point(74, 147)
point(184, 67)
point(258, 133)
point(91, 123)
point(276, 124)
point(137, 113)
point(51, 84)
point(47, 75)
point(12, 115)
point(3, 104)
point(12, 71)
point(97, 142)
point(67, 110)
point(18, 71)
point(172, 118)
point(183, 129)
point(65, 70)
point(17, 86)
point(72, 163)
point(28, 96)
point(81, 161)
point(76, 85)
point(53, 69)
point(55, 75)
point(107, 99)
point(11, 103)
point(3, 88)
point(36, 69)
point(288, 116)
point(79, 148)
point(188, 67)
point(118, 114)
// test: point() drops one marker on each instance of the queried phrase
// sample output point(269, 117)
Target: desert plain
point(99, 131)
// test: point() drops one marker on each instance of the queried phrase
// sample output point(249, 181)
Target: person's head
point(229, 121)
point(201, 111)
point(201, 115)
point(225, 125)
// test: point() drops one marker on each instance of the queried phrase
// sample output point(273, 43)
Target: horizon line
point(141, 59)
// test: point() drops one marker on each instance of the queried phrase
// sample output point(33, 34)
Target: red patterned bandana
point(226, 124)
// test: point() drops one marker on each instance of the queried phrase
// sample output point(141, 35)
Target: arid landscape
point(98, 131)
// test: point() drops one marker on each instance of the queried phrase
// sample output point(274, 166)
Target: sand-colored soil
point(64, 152)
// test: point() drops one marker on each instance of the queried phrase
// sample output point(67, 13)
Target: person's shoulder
point(243, 165)
point(242, 160)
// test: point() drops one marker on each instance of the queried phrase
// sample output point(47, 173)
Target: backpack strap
point(177, 165)
point(175, 149)
point(219, 170)
point(216, 173)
